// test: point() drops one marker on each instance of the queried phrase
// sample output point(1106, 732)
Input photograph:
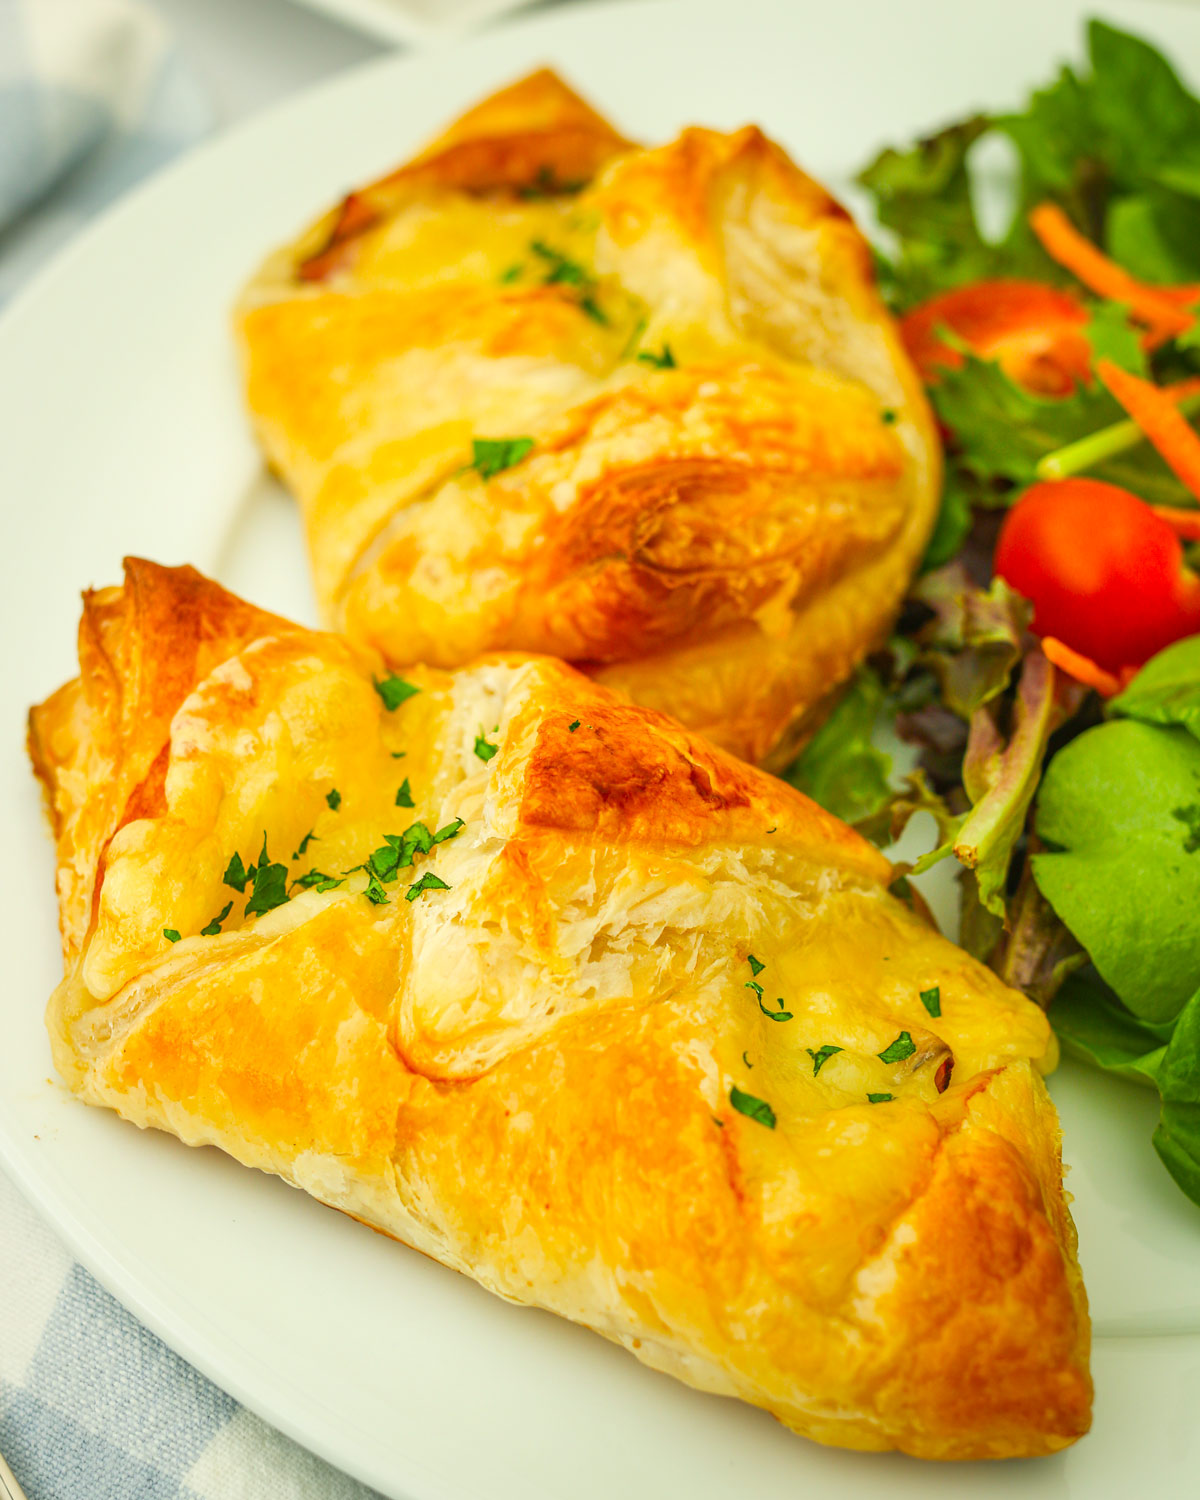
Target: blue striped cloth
point(92, 1405)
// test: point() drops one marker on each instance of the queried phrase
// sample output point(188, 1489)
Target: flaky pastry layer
point(712, 469)
point(630, 1031)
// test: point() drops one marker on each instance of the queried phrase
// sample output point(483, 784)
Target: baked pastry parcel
point(548, 987)
point(643, 410)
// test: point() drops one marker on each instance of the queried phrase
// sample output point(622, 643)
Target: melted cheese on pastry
point(634, 1032)
point(728, 470)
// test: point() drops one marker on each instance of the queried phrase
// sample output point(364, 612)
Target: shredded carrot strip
point(1082, 668)
point(1184, 523)
point(1159, 418)
point(1159, 307)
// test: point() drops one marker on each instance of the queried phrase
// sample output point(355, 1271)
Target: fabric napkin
point(92, 1405)
point(92, 97)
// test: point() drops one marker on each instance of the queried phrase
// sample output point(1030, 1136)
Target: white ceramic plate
point(416, 21)
point(122, 431)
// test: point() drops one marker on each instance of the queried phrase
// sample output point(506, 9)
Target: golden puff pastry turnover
point(541, 983)
point(640, 409)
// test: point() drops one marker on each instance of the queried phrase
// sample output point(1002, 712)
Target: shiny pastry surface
point(543, 984)
point(543, 390)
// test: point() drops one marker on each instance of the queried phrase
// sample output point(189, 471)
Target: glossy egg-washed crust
point(723, 538)
point(528, 1074)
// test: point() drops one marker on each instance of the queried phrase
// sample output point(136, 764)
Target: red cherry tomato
point(1033, 331)
point(1105, 575)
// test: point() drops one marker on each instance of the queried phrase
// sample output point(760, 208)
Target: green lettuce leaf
point(1177, 1139)
point(1167, 689)
point(839, 767)
point(1120, 808)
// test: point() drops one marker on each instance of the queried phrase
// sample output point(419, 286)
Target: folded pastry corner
point(643, 410)
point(538, 981)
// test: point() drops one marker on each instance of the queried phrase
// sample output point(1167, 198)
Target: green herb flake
point(571, 728)
point(484, 748)
point(897, 1051)
point(775, 1015)
point(428, 882)
point(592, 308)
point(317, 880)
point(755, 986)
point(513, 273)
point(404, 795)
point(398, 754)
point(880, 1098)
point(334, 799)
point(270, 885)
point(754, 1109)
point(375, 892)
point(394, 690)
point(235, 874)
point(821, 1056)
point(747, 1061)
point(756, 965)
point(309, 838)
point(450, 831)
point(888, 417)
point(491, 456)
point(214, 926)
point(932, 1000)
point(560, 268)
point(171, 935)
point(664, 360)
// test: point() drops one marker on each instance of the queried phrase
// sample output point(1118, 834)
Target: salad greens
point(1074, 818)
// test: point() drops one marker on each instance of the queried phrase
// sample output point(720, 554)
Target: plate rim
point(40, 1182)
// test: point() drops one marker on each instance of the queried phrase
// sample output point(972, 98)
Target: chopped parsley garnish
point(484, 748)
point(491, 456)
point(561, 268)
point(752, 1108)
point(309, 838)
point(547, 185)
point(316, 880)
point(663, 361)
point(821, 1056)
point(756, 965)
point(398, 852)
point(513, 273)
point(404, 795)
point(562, 271)
point(235, 874)
point(888, 416)
point(757, 988)
point(747, 1061)
point(394, 690)
point(775, 1015)
point(171, 935)
point(880, 1098)
point(571, 728)
point(334, 799)
point(270, 885)
point(428, 882)
point(932, 1000)
point(897, 1051)
point(399, 754)
point(215, 925)
point(592, 308)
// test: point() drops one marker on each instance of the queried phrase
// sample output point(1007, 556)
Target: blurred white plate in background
point(123, 431)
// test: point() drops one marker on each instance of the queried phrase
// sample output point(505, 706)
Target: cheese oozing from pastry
point(642, 410)
point(538, 981)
